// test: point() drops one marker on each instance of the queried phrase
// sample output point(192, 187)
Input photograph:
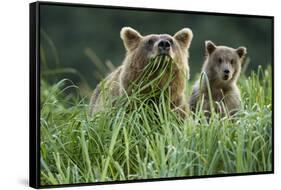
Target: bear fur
point(139, 50)
point(222, 67)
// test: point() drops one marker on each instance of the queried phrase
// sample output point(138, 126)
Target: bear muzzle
point(164, 47)
point(226, 74)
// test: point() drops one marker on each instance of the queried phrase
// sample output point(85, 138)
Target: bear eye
point(231, 61)
point(150, 41)
point(171, 41)
point(220, 60)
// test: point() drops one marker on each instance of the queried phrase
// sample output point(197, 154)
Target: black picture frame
point(34, 93)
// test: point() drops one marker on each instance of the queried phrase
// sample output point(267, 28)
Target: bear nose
point(226, 71)
point(164, 45)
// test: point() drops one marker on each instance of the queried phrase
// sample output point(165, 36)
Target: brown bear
point(139, 50)
point(222, 67)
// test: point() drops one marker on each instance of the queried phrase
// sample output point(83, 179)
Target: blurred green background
point(83, 43)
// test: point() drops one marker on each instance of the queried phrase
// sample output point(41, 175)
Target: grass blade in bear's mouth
point(163, 56)
point(157, 72)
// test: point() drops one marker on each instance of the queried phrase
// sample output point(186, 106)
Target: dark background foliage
point(81, 43)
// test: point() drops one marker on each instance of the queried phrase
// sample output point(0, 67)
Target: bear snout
point(226, 74)
point(226, 71)
point(164, 47)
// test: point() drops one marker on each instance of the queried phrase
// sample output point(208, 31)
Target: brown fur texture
point(222, 67)
point(139, 50)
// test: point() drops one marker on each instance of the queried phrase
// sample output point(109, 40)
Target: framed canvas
point(120, 94)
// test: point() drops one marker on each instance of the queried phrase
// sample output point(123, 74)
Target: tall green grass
point(143, 138)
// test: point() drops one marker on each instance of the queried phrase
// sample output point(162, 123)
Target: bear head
point(140, 49)
point(223, 64)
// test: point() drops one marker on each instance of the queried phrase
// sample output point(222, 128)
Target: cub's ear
point(184, 37)
point(241, 51)
point(210, 46)
point(130, 37)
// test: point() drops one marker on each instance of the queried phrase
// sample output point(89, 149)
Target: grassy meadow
point(142, 137)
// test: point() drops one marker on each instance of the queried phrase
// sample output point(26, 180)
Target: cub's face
point(143, 48)
point(225, 62)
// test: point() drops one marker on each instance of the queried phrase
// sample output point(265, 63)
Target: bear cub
point(222, 67)
point(139, 51)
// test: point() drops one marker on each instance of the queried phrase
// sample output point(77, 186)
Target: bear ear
point(130, 37)
point(184, 37)
point(210, 47)
point(241, 51)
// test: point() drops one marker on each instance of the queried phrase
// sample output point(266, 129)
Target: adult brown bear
point(140, 50)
